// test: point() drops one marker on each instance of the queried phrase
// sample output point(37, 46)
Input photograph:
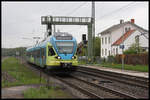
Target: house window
point(137, 39)
point(109, 52)
point(116, 50)
point(102, 52)
point(105, 40)
point(105, 52)
point(129, 29)
point(109, 40)
point(102, 41)
point(126, 29)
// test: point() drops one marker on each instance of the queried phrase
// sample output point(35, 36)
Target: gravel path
point(16, 91)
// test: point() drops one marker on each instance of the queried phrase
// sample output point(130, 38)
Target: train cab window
point(50, 51)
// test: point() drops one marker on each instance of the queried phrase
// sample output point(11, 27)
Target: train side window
point(38, 53)
point(34, 53)
point(43, 52)
point(50, 51)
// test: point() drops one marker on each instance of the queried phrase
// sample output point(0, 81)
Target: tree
point(82, 50)
point(97, 46)
point(12, 51)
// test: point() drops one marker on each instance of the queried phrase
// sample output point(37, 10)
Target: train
point(57, 52)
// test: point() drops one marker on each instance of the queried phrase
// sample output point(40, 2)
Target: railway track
point(94, 90)
point(122, 78)
point(90, 89)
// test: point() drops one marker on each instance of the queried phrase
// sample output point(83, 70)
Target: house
point(124, 33)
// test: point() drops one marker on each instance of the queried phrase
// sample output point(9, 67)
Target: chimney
point(132, 21)
point(121, 21)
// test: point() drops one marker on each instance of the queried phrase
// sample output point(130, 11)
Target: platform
point(128, 72)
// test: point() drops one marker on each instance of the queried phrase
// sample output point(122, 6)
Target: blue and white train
point(56, 52)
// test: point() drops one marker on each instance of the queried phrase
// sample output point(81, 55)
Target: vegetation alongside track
point(23, 76)
point(44, 92)
point(141, 68)
point(18, 71)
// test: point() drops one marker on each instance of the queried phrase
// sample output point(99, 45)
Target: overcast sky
point(23, 19)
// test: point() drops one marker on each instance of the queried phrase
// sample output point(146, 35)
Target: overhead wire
point(108, 14)
point(117, 10)
point(117, 16)
point(74, 10)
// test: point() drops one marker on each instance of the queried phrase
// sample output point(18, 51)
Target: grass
point(82, 62)
point(141, 68)
point(22, 74)
point(44, 92)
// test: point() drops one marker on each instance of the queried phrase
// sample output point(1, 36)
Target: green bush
point(111, 59)
point(103, 60)
point(130, 51)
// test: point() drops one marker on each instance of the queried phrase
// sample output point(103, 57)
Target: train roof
point(41, 44)
point(56, 36)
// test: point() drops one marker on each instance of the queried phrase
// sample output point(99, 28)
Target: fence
point(141, 59)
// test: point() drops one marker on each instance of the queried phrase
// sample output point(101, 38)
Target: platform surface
point(128, 72)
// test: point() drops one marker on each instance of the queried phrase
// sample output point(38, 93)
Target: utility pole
point(93, 29)
point(122, 49)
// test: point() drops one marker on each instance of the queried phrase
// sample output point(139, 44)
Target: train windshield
point(65, 47)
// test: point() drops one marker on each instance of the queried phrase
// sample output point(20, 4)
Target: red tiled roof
point(124, 37)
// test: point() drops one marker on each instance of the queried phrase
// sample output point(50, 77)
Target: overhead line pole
point(123, 48)
point(93, 29)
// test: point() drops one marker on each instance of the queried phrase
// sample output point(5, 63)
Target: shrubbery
point(134, 49)
point(130, 51)
point(111, 59)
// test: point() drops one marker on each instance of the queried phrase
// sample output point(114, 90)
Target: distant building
point(113, 37)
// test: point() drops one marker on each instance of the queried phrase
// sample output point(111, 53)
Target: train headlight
point(73, 57)
point(58, 57)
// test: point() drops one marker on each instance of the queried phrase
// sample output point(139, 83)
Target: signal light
point(83, 37)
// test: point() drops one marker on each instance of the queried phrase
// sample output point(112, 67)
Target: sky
point(21, 21)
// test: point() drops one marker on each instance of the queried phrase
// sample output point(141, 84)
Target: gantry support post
point(90, 46)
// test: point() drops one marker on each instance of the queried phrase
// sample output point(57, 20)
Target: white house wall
point(105, 46)
point(143, 41)
point(115, 35)
point(131, 39)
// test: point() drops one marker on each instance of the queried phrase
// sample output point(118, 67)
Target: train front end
point(65, 46)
